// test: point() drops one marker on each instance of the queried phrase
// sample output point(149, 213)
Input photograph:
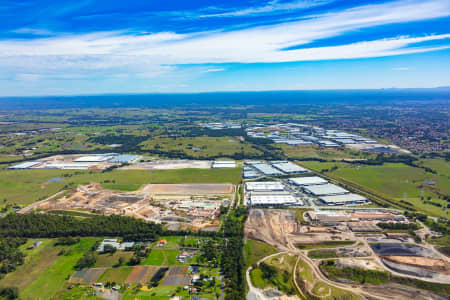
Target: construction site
point(179, 206)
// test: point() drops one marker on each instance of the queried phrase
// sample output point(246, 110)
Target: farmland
point(23, 187)
point(45, 272)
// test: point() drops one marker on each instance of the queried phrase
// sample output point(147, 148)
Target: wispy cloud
point(33, 31)
point(400, 69)
point(272, 7)
point(214, 70)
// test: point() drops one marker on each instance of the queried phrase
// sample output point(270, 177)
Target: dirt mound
point(436, 265)
point(270, 226)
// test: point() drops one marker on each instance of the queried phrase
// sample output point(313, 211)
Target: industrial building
point(272, 199)
point(335, 217)
point(266, 186)
point(305, 181)
point(124, 159)
point(266, 169)
point(346, 199)
point(289, 167)
point(25, 165)
point(218, 164)
point(325, 189)
point(94, 158)
point(249, 173)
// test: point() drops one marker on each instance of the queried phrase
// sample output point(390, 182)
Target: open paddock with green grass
point(46, 268)
point(255, 250)
point(117, 275)
point(328, 244)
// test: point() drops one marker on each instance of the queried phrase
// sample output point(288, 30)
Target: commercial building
point(69, 166)
point(305, 181)
point(325, 189)
point(346, 199)
point(264, 186)
point(218, 164)
point(289, 167)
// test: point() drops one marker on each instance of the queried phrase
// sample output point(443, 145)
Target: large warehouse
point(305, 181)
point(124, 159)
point(93, 158)
point(288, 167)
point(325, 189)
point(266, 169)
point(272, 199)
point(220, 164)
point(266, 186)
point(347, 199)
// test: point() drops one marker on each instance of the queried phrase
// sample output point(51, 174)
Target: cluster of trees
point(129, 142)
point(10, 255)
point(88, 260)
point(233, 262)
point(398, 226)
point(9, 293)
point(210, 252)
point(45, 225)
point(355, 274)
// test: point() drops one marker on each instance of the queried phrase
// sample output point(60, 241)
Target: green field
point(45, 272)
point(117, 275)
point(209, 146)
point(109, 260)
point(328, 244)
point(255, 250)
point(282, 280)
point(27, 186)
point(159, 257)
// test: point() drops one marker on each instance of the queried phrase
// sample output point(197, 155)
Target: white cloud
point(400, 69)
point(214, 70)
point(150, 55)
point(33, 31)
point(271, 7)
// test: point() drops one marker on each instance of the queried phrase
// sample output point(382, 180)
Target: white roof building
point(25, 165)
point(305, 181)
point(325, 189)
point(264, 186)
point(347, 199)
point(224, 164)
point(93, 158)
point(289, 167)
point(273, 199)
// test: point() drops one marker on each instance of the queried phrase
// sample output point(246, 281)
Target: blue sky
point(97, 46)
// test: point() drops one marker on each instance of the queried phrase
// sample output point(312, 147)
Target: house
point(162, 243)
point(35, 244)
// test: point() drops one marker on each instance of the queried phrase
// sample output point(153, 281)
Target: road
point(253, 292)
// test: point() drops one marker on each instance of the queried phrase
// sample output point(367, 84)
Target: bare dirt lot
point(191, 189)
point(141, 274)
point(278, 227)
point(87, 275)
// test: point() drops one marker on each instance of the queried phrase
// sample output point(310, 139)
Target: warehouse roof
point(325, 189)
point(25, 165)
point(92, 158)
point(267, 169)
point(272, 199)
point(264, 186)
point(343, 199)
point(289, 167)
point(313, 180)
point(124, 158)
